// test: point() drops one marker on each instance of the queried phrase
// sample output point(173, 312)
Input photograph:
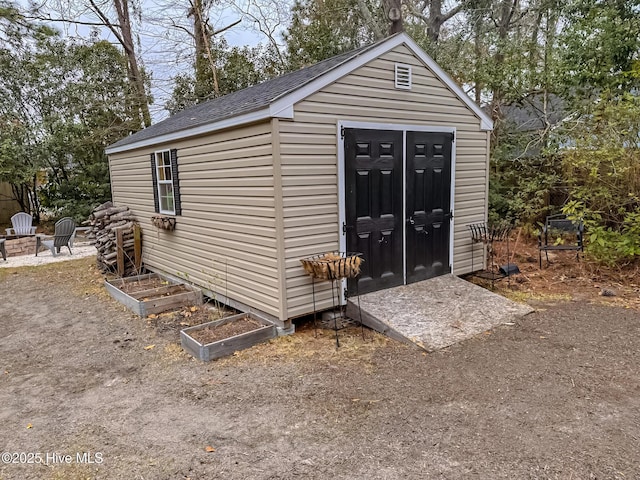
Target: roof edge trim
point(250, 117)
point(285, 112)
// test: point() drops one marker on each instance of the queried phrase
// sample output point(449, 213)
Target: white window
point(164, 174)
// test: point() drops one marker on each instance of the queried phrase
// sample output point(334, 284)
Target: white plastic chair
point(22, 224)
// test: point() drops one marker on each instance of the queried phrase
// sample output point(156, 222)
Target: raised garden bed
point(150, 293)
point(223, 337)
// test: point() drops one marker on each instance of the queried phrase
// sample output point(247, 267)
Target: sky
point(165, 49)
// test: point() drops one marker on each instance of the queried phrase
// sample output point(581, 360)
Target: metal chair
point(560, 233)
point(22, 224)
point(64, 230)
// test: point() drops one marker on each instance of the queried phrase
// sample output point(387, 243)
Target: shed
point(376, 150)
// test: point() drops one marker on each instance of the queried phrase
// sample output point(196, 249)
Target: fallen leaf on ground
point(153, 315)
point(29, 425)
point(193, 309)
point(209, 449)
point(149, 347)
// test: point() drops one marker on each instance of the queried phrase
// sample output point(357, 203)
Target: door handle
point(412, 221)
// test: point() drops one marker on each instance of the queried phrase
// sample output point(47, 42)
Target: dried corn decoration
point(333, 265)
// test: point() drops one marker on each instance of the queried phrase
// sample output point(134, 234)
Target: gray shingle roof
point(243, 101)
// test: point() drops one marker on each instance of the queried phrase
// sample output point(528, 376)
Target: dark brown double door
point(397, 217)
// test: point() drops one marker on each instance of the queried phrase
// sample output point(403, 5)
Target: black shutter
point(154, 177)
point(176, 182)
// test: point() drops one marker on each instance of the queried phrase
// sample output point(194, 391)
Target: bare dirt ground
point(555, 396)
point(564, 278)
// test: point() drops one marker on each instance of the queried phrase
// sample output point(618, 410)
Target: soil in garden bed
point(140, 285)
point(170, 323)
point(150, 288)
point(227, 330)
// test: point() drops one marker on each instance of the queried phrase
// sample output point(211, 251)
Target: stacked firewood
point(105, 223)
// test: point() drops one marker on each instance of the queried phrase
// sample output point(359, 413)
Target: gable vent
point(403, 76)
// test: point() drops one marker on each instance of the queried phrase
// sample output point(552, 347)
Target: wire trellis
point(488, 233)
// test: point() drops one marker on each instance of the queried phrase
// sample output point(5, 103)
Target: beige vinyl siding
point(309, 161)
point(225, 239)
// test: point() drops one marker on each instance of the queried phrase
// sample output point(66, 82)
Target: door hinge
point(342, 132)
point(453, 137)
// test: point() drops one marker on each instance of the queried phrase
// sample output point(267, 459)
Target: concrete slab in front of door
point(435, 313)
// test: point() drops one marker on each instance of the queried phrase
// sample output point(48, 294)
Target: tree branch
point(366, 13)
point(417, 13)
point(180, 27)
point(107, 22)
point(216, 32)
point(452, 13)
point(66, 20)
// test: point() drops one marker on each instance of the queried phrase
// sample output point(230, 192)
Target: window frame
point(159, 154)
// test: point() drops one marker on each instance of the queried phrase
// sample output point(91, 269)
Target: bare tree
point(202, 34)
point(122, 31)
point(269, 18)
point(505, 17)
point(434, 14)
point(75, 13)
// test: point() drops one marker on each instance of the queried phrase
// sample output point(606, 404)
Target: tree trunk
point(135, 76)
point(204, 62)
point(22, 197)
point(122, 31)
point(477, 44)
point(34, 201)
point(435, 20)
point(393, 11)
point(507, 10)
point(432, 14)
